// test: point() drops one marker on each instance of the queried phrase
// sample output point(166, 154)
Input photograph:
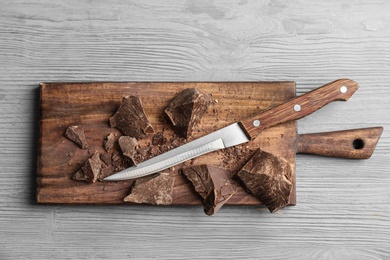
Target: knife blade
point(243, 131)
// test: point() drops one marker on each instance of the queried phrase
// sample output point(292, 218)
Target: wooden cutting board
point(92, 104)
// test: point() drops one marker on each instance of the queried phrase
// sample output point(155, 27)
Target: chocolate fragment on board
point(91, 169)
point(108, 142)
point(119, 161)
point(186, 110)
point(159, 139)
point(268, 178)
point(75, 133)
point(213, 184)
point(106, 158)
point(128, 146)
point(131, 118)
point(154, 190)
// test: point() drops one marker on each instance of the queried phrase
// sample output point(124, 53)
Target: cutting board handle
point(352, 144)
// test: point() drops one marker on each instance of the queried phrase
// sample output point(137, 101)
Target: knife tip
point(110, 178)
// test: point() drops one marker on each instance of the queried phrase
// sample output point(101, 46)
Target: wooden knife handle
point(353, 144)
point(299, 107)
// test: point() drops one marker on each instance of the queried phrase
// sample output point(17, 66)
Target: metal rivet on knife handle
point(341, 89)
point(297, 108)
point(256, 123)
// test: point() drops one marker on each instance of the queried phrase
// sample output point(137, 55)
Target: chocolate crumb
point(143, 151)
point(159, 139)
point(153, 151)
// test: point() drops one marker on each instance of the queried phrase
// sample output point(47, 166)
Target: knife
point(243, 131)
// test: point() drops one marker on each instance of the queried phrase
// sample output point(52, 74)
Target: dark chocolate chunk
point(155, 190)
point(186, 110)
point(131, 119)
point(90, 171)
point(159, 139)
point(128, 146)
point(213, 184)
point(108, 142)
point(268, 178)
point(153, 151)
point(76, 134)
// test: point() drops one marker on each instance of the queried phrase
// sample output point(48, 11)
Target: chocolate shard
point(90, 171)
point(108, 142)
point(213, 184)
point(128, 146)
point(106, 158)
point(119, 162)
point(159, 139)
point(268, 178)
point(155, 190)
point(75, 133)
point(186, 110)
point(131, 118)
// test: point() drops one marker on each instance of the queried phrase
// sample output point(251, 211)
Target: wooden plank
point(92, 104)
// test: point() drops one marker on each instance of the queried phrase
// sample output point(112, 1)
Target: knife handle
point(299, 107)
point(351, 144)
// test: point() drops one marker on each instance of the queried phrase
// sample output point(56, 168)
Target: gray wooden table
point(343, 209)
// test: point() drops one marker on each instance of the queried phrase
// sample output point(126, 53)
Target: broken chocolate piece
point(155, 190)
point(131, 119)
point(90, 171)
point(159, 139)
point(75, 133)
point(107, 166)
point(268, 178)
point(186, 110)
point(106, 158)
point(128, 146)
point(213, 184)
point(119, 162)
point(108, 142)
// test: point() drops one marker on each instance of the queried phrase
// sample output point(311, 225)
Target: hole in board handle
point(358, 144)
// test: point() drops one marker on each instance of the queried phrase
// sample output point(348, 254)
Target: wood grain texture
point(92, 104)
point(343, 209)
